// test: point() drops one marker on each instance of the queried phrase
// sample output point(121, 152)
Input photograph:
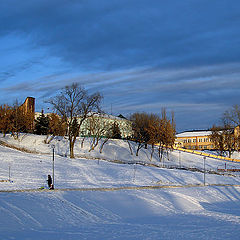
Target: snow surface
point(197, 212)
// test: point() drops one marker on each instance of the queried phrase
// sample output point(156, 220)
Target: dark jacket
point(49, 181)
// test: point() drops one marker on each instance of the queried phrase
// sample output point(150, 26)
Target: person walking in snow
point(49, 181)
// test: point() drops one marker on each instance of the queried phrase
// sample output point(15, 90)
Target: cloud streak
point(123, 34)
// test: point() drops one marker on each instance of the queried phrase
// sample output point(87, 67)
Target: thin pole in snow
point(204, 177)
point(179, 159)
point(134, 172)
point(53, 167)
point(9, 175)
point(53, 147)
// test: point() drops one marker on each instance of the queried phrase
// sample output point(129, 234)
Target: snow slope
point(194, 213)
point(202, 212)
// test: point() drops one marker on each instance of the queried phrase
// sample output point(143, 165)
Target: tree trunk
point(139, 147)
point(94, 144)
point(82, 142)
point(159, 152)
point(105, 141)
point(130, 147)
point(152, 151)
point(71, 147)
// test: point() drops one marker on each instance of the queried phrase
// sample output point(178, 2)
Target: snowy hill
point(95, 196)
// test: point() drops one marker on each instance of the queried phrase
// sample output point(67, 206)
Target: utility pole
point(53, 148)
point(204, 177)
point(179, 158)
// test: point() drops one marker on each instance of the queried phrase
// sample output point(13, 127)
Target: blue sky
point(142, 55)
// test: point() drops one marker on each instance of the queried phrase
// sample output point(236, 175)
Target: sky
point(141, 55)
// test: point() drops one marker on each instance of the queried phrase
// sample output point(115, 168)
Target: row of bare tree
point(154, 130)
point(226, 136)
point(14, 120)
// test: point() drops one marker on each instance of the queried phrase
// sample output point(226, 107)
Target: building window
point(200, 140)
point(189, 140)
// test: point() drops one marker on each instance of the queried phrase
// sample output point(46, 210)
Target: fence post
point(9, 175)
point(204, 177)
point(179, 159)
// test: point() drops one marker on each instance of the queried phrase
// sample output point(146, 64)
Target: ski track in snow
point(21, 215)
point(76, 210)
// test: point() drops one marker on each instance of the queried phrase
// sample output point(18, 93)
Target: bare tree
point(21, 120)
point(231, 117)
point(15, 120)
point(140, 123)
point(217, 138)
point(169, 131)
point(111, 131)
point(73, 102)
point(153, 130)
point(57, 125)
point(223, 139)
point(97, 129)
point(5, 118)
point(226, 137)
point(162, 131)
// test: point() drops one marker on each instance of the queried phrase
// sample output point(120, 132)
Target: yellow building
point(197, 140)
point(200, 140)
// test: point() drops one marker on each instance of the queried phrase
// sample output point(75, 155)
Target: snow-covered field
point(77, 210)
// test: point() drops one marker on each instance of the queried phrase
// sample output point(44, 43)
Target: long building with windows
point(103, 122)
point(196, 140)
point(199, 140)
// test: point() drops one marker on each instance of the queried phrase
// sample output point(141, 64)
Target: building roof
point(194, 134)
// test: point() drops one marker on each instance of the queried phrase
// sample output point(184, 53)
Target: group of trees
point(14, 120)
point(225, 137)
point(50, 124)
point(153, 129)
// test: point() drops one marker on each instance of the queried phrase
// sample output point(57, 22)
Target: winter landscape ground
point(114, 195)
